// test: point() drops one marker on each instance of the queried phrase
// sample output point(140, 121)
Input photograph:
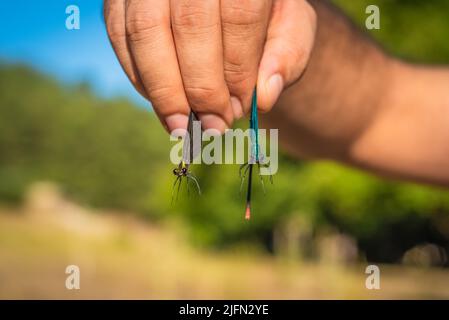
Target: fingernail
point(274, 85)
point(212, 121)
point(176, 121)
point(236, 107)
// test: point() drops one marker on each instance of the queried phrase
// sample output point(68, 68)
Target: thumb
point(290, 38)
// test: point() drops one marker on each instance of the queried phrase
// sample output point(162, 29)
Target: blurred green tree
point(103, 153)
point(109, 153)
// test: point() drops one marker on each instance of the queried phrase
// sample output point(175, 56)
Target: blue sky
point(34, 32)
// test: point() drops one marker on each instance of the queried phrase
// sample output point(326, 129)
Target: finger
point(244, 25)
point(287, 49)
point(153, 50)
point(197, 32)
point(114, 16)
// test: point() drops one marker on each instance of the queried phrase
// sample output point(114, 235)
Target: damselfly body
point(256, 157)
point(189, 151)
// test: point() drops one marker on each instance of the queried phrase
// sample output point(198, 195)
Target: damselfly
point(255, 157)
point(190, 149)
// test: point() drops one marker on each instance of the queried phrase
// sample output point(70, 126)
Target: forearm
point(356, 105)
point(410, 136)
point(337, 96)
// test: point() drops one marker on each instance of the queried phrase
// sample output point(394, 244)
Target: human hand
point(208, 55)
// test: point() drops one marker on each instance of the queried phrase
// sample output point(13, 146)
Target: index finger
point(152, 47)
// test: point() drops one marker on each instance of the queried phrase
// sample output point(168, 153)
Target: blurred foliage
point(109, 153)
point(415, 30)
point(98, 150)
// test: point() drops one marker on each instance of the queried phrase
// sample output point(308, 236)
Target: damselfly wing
point(191, 148)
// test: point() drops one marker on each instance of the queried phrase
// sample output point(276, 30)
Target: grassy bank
point(121, 257)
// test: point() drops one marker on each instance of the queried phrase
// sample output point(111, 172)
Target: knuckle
point(292, 52)
point(115, 25)
point(297, 54)
point(141, 24)
point(243, 13)
point(115, 30)
point(192, 17)
point(206, 99)
point(237, 76)
point(199, 94)
point(165, 98)
point(296, 60)
point(160, 94)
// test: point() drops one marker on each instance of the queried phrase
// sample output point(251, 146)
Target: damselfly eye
point(184, 170)
point(175, 172)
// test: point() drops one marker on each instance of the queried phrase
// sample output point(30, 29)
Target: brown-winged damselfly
point(190, 149)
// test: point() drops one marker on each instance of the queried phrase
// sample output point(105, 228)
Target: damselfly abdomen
point(255, 157)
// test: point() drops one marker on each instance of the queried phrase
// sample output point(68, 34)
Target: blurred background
point(85, 179)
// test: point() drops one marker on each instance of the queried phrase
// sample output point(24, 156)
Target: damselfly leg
point(256, 157)
point(182, 171)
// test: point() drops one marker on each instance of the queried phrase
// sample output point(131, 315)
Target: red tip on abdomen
point(248, 212)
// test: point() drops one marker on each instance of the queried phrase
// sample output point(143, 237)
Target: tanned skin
point(331, 91)
point(358, 105)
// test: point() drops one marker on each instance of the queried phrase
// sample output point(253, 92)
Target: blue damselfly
point(255, 157)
